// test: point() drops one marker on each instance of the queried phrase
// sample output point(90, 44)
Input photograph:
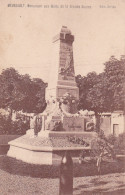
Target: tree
point(20, 92)
point(104, 92)
point(40, 102)
point(10, 93)
point(85, 84)
point(115, 77)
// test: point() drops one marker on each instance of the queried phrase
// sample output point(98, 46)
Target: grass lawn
point(19, 178)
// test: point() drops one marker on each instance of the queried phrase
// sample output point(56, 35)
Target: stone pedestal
point(48, 147)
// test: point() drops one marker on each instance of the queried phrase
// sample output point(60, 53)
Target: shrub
point(103, 146)
point(7, 126)
point(111, 139)
point(119, 144)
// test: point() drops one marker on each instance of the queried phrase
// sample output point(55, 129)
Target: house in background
point(113, 123)
point(117, 122)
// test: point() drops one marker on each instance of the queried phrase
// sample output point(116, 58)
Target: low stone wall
point(4, 139)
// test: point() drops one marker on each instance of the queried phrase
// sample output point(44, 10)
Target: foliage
point(103, 92)
point(102, 150)
point(120, 142)
point(78, 140)
point(34, 90)
point(108, 146)
point(10, 93)
point(20, 92)
point(85, 84)
point(68, 98)
point(115, 80)
point(117, 142)
point(105, 149)
point(7, 126)
point(111, 139)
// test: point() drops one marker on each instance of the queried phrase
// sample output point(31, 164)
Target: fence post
point(66, 175)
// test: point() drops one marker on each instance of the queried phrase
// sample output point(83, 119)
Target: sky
point(26, 33)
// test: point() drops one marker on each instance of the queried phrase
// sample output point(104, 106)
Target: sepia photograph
point(62, 97)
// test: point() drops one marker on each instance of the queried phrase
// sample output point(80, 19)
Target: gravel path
point(26, 185)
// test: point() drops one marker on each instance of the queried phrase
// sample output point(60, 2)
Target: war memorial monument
point(63, 128)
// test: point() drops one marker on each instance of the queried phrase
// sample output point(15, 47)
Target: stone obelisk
point(62, 75)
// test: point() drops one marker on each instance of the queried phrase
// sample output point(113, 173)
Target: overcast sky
point(26, 34)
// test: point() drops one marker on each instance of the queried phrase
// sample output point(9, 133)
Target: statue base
point(49, 147)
